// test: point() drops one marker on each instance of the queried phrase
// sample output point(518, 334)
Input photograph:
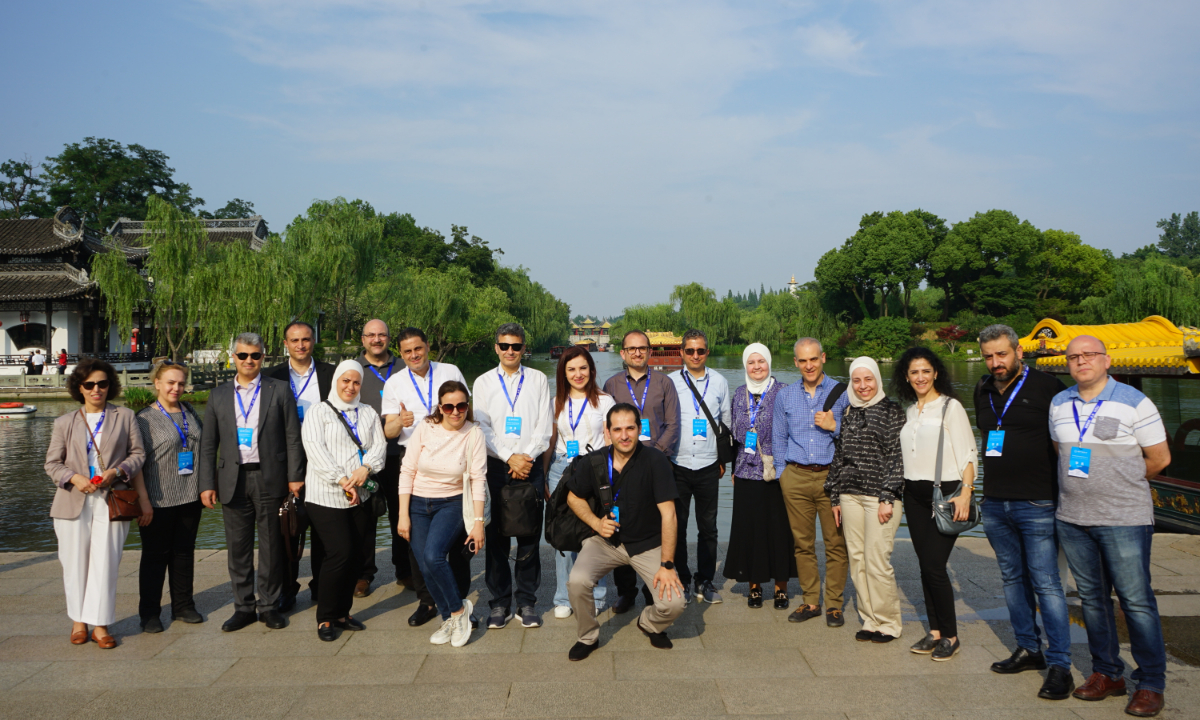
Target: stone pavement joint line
point(728, 660)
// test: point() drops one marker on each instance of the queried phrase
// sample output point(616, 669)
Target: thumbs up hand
point(406, 416)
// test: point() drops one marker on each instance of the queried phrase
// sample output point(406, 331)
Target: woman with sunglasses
point(91, 450)
point(171, 506)
point(442, 453)
point(345, 445)
point(579, 419)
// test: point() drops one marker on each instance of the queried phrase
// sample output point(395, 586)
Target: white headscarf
point(756, 387)
point(868, 363)
point(344, 367)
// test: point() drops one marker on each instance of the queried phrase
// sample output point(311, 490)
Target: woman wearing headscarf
point(345, 445)
point(864, 485)
point(760, 539)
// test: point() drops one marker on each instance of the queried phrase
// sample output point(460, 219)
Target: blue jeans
point(436, 524)
point(1103, 559)
point(1022, 534)
point(563, 562)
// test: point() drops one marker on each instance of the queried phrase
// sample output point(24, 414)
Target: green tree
point(700, 309)
point(234, 209)
point(648, 318)
point(1180, 237)
point(993, 244)
point(1153, 287)
point(882, 337)
point(104, 180)
point(1065, 267)
point(546, 319)
point(22, 191)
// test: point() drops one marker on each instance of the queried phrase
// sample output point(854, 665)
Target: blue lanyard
point(687, 380)
point(752, 407)
point(1083, 430)
point(1000, 417)
point(104, 412)
point(512, 401)
point(353, 425)
point(182, 431)
point(641, 408)
point(427, 403)
point(312, 371)
point(610, 472)
point(237, 392)
point(571, 411)
point(382, 379)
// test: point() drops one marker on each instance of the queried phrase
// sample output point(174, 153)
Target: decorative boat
point(664, 351)
point(14, 410)
point(557, 351)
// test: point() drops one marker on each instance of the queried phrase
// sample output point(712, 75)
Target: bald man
point(1110, 439)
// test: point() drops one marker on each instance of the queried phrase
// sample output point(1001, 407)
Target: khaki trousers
point(598, 558)
point(870, 548)
point(805, 498)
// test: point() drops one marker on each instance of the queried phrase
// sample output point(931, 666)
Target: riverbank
point(728, 660)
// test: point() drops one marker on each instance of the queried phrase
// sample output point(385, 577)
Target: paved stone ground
point(728, 660)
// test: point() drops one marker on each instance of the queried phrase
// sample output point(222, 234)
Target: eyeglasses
point(102, 384)
point(376, 336)
point(460, 408)
point(696, 351)
point(252, 356)
point(504, 347)
point(1085, 357)
point(642, 349)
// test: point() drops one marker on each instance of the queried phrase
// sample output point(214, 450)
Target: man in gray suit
point(252, 455)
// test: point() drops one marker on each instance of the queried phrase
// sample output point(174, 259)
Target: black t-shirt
point(644, 482)
point(1028, 467)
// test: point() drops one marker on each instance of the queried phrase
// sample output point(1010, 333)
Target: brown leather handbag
point(123, 500)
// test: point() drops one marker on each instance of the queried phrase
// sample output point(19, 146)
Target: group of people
point(406, 438)
point(35, 364)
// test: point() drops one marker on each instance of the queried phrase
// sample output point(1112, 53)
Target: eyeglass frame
point(102, 384)
point(1088, 356)
point(516, 347)
point(461, 407)
point(253, 356)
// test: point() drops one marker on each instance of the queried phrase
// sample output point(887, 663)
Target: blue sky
point(617, 149)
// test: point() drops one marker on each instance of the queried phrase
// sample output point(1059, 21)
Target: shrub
point(137, 398)
point(883, 337)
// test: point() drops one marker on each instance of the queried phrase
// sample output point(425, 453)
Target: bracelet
point(479, 519)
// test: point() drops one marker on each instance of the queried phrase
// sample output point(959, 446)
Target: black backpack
point(518, 511)
point(565, 532)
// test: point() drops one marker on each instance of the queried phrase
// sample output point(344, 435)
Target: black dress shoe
point(580, 651)
point(658, 640)
point(327, 633)
point(240, 619)
point(624, 603)
point(882, 638)
point(781, 600)
point(152, 624)
point(1059, 684)
point(756, 598)
point(189, 616)
point(423, 614)
point(286, 603)
point(1020, 661)
point(349, 624)
point(273, 619)
point(865, 635)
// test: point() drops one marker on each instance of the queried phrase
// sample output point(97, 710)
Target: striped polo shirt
point(1116, 491)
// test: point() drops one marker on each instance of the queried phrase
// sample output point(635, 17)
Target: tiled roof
point(45, 281)
point(251, 230)
point(1154, 346)
point(31, 237)
point(663, 338)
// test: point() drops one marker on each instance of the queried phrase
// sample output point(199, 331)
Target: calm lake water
point(26, 492)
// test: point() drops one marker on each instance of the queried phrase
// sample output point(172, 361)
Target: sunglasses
point(515, 346)
point(169, 361)
point(449, 408)
point(89, 385)
point(252, 356)
point(701, 352)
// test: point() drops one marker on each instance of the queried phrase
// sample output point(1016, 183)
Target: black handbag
point(724, 436)
point(520, 510)
point(375, 501)
point(943, 509)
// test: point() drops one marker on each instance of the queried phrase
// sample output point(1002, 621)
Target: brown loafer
point(1100, 686)
point(362, 588)
point(1145, 703)
point(79, 637)
point(108, 642)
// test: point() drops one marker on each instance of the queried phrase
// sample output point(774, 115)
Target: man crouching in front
point(638, 529)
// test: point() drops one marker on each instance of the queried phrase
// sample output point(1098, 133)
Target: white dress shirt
point(699, 451)
point(247, 393)
point(309, 394)
point(531, 404)
point(589, 429)
point(414, 391)
point(333, 454)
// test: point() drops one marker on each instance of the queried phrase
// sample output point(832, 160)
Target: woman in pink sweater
point(443, 453)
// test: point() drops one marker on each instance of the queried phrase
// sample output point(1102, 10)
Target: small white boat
point(14, 410)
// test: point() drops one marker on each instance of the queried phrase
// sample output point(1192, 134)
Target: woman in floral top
point(760, 539)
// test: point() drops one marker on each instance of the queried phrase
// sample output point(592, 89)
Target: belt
point(248, 467)
point(810, 468)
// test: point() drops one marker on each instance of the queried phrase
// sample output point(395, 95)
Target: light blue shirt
point(694, 451)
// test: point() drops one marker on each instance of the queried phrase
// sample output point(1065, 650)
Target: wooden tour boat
point(664, 351)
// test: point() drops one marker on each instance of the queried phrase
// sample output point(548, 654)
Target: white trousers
point(89, 548)
point(869, 545)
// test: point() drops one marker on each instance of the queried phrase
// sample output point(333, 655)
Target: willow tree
point(647, 318)
point(124, 290)
point(720, 320)
point(1154, 287)
point(546, 319)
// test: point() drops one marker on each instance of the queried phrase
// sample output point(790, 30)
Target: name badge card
point(186, 462)
point(245, 436)
point(751, 443)
point(572, 449)
point(1080, 462)
point(300, 412)
point(699, 428)
point(512, 426)
point(995, 443)
point(92, 473)
point(645, 436)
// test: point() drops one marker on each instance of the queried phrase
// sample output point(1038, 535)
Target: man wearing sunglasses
point(408, 397)
point(512, 405)
point(310, 380)
point(657, 401)
point(697, 472)
point(251, 457)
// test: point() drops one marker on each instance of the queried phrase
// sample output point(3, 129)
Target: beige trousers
point(870, 548)
point(598, 558)
point(805, 498)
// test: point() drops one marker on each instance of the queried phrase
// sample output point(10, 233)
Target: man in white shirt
point(409, 396)
point(39, 362)
point(512, 406)
point(697, 472)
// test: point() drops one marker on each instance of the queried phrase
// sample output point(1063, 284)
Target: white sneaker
point(442, 636)
point(562, 612)
point(461, 631)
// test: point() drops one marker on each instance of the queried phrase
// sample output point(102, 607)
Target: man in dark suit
point(251, 456)
point(310, 381)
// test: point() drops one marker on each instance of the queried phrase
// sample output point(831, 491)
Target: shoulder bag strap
point(688, 381)
point(99, 455)
point(937, 472)
point(344, 424)
point(835, 394)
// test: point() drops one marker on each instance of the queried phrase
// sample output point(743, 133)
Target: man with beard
point(1020, 498)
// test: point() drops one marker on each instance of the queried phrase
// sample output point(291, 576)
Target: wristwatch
point(668, 565)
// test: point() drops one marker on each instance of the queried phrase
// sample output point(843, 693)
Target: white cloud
point(834, 45)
